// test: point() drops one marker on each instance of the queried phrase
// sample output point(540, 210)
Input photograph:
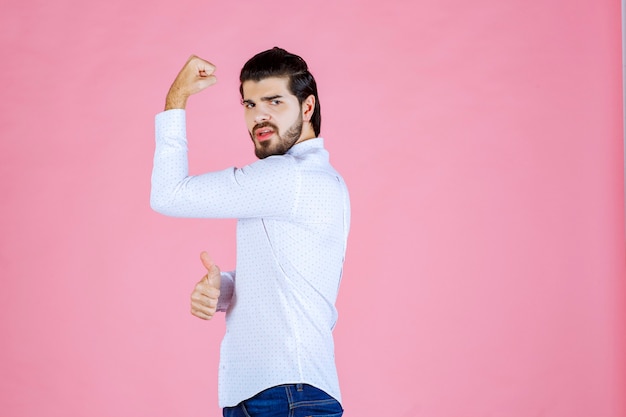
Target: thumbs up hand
point(206, 292)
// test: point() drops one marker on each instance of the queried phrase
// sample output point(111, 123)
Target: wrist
point(175, 100)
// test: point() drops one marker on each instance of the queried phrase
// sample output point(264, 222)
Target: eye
point(247, 104)
point(275, 102)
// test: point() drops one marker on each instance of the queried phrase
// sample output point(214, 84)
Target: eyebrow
point(269, 98)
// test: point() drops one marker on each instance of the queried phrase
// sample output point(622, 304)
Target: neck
point(307, 133)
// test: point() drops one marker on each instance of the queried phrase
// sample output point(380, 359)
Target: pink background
point(482, 142)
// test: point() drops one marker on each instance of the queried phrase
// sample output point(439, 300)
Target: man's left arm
point(266, 188)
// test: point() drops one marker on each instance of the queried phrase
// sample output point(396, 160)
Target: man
point(293, 211)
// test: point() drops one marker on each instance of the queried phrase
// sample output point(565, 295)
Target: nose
point(261, 116)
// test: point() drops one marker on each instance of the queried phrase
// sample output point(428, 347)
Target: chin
point(261, 152)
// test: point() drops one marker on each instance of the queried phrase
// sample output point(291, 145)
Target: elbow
point(159, 204)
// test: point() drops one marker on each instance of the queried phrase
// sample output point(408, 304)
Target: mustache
point(262, 125)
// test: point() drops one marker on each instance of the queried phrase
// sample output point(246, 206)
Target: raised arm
point(256, 190)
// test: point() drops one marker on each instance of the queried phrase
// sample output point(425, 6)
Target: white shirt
point(293, 214)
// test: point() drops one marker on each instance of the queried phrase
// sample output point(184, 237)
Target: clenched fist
point(206, 292)
point(196, 75)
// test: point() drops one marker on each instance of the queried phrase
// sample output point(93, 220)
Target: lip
point(263, 133)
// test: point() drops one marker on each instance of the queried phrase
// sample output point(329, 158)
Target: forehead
point(266, 87)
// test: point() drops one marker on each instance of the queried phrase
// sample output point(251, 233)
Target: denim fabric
point(294, 400)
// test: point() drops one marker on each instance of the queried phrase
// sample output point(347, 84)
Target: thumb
point(206, 260)
point(213, 276)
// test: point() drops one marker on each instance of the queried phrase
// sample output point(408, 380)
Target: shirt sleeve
point(267, 188)
point(227, 288)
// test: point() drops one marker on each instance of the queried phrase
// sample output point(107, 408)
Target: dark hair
point(277, 62)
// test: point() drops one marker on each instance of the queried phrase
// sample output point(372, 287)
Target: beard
point(281, 144)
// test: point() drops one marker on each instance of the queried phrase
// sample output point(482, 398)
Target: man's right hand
point(196, 75)
point(206, 292)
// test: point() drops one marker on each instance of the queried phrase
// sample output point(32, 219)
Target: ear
point(308, 107)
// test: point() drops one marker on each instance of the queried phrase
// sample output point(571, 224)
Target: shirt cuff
point(170, 123)
point(227, 288)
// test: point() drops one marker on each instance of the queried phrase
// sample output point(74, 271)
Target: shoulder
point(269, 165)
point(276, 170)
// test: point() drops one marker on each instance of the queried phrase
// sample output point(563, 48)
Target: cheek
point(290, 116)
point(249, 120)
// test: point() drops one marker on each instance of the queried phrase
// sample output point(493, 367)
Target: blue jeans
point(293, 400)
